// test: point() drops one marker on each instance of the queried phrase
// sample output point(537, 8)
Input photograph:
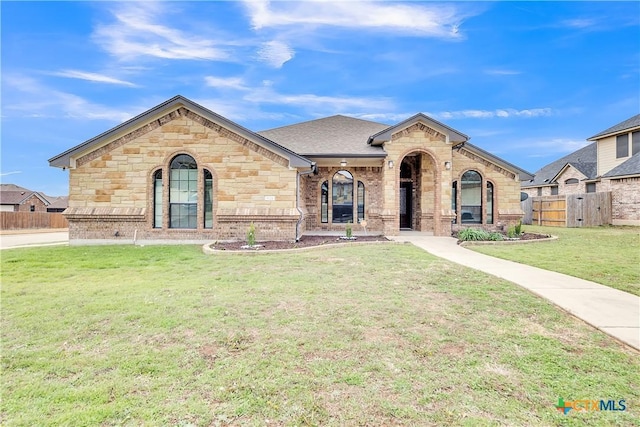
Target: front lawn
point(359, 335)
point(606, 255)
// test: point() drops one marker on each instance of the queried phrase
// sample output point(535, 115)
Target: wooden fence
point(31, 220)
point(571, 210)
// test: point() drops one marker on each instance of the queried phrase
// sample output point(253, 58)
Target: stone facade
point(250, 184)
point(120, 190)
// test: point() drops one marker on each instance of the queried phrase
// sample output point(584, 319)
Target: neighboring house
point(610, 163)
point(17, 199)
point(58, 204)
point(180, 172)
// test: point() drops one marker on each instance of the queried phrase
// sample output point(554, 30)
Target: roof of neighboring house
point(61, 202)
point(64, 159)
point(583, 159)
point(12, 187)
point(17, 197)
point(335, 136)
point(628, 124)
point(630, 167)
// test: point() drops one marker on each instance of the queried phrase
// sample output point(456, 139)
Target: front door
point(405, 204)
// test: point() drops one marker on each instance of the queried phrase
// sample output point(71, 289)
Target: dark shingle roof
point(17, 197)
point(583, 159)
point(627, 124)
point(630, 167)
point(330, 136)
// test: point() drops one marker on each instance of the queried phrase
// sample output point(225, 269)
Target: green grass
point(606, 255)
point(361, 335)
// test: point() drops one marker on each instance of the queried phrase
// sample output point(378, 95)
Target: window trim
point(622, 146)
point(571, 181)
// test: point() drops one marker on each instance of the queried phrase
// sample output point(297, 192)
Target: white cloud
point(92, 77)
point(318, 102)
point(30, 98)
point(579, 23)
point(226, 83)
point(502, 72)
point(546, 147)
point(136, 33)
point(10, 173)
point(275, 53)
point(488, 114)
point(421, 19)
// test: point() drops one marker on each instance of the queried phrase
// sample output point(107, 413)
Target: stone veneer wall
point(251, 183)
point(506, 188)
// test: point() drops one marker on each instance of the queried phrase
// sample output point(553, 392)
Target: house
point(611, 162)
point(180, 172)
point(14, 198)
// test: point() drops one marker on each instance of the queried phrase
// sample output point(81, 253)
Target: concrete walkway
point(614, 312)
point(31, 238)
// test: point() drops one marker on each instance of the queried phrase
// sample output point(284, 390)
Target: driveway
point(30, 238)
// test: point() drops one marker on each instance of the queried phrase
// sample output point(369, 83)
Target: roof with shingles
point(18, 197)
point(330, 136)
point(630, 167)
point(628, 124)
point(583, 159)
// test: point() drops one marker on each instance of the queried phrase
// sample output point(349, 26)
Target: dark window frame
point(622, 146)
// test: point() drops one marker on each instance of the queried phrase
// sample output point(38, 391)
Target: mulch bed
point(304, 242)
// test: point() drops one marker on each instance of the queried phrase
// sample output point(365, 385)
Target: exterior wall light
point(390, 164)
point(447, 165)
point(343, 163)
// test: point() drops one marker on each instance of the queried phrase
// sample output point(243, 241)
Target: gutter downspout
point(313, 169)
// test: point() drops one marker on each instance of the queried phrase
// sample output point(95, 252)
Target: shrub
point(473, 234)
point(348, 230)
point(251, 235)
point(518, 228)
point(495, 236)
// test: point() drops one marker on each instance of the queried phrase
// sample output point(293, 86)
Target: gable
point(163, 114)
point(419, 122)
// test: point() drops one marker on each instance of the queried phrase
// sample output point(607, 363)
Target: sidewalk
point(614, 312)
point(10, 239)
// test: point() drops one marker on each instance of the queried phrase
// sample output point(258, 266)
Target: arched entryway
point(417, 192)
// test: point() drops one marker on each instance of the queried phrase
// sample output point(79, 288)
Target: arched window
point(157, 199)
point(342, 191)
point(183, 192)
point(324, 202)
point(360, 200)
point(571, 181)
point(471, 198)
point(489, 202)
point(208, 199)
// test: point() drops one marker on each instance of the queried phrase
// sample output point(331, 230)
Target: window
point(360, 200)
point(183, 192)
point(342, 191)
point(32, 208)
point(324, 202)
point(591, 187)
point(635, 143)
point(471, 198)
point(622, 146)
point(454, 199)
point(208, 199)
point(571, 181)
point(157, 199)
point(539, 191)
point(489, 202)
point(554, 190)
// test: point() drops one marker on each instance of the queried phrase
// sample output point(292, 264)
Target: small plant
point(349, 230)
point(495, 236)
point(251, 235)
point(511, 232)
point(518, 229)
point(473, 234)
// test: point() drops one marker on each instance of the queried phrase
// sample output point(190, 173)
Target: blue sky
point(527, 81)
